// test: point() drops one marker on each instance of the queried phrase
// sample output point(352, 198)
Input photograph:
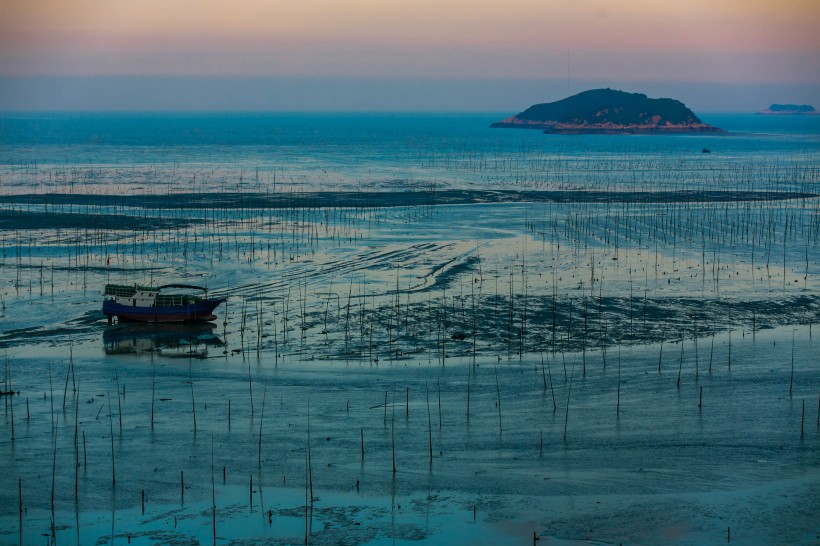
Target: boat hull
point(200, 311)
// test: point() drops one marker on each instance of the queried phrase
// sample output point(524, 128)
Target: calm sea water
point(590, 369)
point(213, 152)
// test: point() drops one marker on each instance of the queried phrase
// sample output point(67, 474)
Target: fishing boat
point(167, 303)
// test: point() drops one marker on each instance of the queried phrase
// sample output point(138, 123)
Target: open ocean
point(436, 332)
point(371, 152)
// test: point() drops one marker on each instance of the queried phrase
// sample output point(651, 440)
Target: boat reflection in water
point(168, 340)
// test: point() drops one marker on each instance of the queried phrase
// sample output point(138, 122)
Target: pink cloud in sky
point(731, 41)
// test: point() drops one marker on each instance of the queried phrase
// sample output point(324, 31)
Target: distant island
point(789, 110)
point(608, 111)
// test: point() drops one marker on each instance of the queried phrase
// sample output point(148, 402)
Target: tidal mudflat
point(431, 335)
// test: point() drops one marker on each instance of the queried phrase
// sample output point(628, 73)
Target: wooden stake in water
point(111, 427)
point(213, 489)
point(53, 479)
point(791, 374)
point(802, 417)
point(429, 422)
point(498, 400)
point(618, 407)
point(680, 363)
point(695, 340)
point(569, 392)
point(119, 403)
point(660, 354)
point(20, 497)
point(307, 504)
point(11, 404)
point(193, 401)
point(552, 391)
point(261, 419)
point(153, 383)
point(77, 447)
point(67, 375)
point(250, 389)
point(711, 353)
point(469, 381)
point(393, 429)
point(438, 383)
point(310, 462)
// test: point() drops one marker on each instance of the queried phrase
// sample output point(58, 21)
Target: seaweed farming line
point(675, 220)
point(558, 252)
point(669, 222)
point(526, 167)
point(388, 199)
point(362, 326)
point(447, 327)
point(293, 265)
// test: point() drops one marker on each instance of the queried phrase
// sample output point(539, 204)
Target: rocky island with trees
point(608, 111)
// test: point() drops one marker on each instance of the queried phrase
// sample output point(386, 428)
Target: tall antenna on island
point(568, 86)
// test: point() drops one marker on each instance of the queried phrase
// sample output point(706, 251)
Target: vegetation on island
point(609, 111)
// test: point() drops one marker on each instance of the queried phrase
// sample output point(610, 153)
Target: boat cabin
point(149, 296)
point(135, 296)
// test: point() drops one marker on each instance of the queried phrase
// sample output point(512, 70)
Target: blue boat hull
point(195, 312)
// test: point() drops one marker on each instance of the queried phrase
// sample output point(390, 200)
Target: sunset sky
point(402, 55)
